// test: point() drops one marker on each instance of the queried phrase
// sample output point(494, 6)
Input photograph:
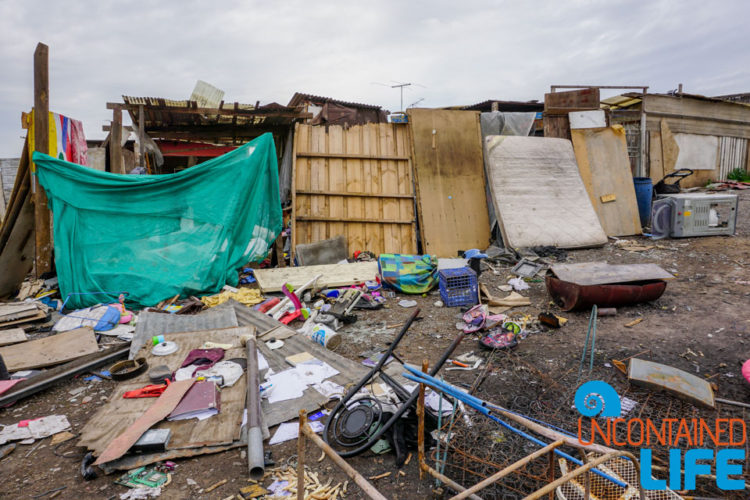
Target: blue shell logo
point(597, 398)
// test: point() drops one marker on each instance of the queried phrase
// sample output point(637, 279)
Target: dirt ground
point(701, 324)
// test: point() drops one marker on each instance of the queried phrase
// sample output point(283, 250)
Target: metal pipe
point(482, 408)
point(255, 462)
point(500, 474)
point(420, 422)
point(363, 483)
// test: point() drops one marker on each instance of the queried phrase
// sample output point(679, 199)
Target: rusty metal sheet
point(601, 273)
point(570, 296)
point(676, 381)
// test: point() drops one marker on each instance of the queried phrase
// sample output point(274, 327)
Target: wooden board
point(355, 182)
point(557, 105)
point(271, 280)
point(538, 193)
point(12, 336)
point(50, 350)
point(602, 156)
point(17, 256)
point(158, 409)
point(449, 175)
point(655, 163)
point(678, 382)
point(601, 273)
point(221, 429)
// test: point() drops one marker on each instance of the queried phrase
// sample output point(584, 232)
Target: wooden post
point(141, 133)
point(42, 226)
point(115, 142)
point(301, 456)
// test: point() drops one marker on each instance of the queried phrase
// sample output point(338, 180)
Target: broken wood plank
point(271, 280)
point(157, 412)
point(51, 350)
point(12, 336)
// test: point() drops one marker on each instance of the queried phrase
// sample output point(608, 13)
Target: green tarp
point(156, 236)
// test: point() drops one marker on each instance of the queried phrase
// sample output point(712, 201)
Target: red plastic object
point(288, 318)
point(149, 391)
point(570, 296)
point(746, 371)
point(267, 305)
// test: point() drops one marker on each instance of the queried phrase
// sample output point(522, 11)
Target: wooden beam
point(141, 133)
point(352, 156)
point(353, 219)
point(115, 143)
point(42, 225)
point(358, 195)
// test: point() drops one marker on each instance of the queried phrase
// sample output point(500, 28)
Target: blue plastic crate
point(458, 287)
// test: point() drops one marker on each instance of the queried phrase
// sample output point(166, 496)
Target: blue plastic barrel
point(644, 191)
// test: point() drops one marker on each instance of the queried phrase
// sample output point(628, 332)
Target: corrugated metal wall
point(732, 154)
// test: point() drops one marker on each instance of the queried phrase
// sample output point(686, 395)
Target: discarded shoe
point(499, 339)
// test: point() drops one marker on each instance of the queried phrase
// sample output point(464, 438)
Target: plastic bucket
point(644, 192)
point(321, 334)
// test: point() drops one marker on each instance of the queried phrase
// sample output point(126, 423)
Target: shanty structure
point(184, 134)
point(329, 111)
point(708, 135)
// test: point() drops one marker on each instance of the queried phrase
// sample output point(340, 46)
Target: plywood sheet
point(357, 183)
point(697, 152)
point(158, 409)
point(602, 156)
point(12, 336)
point(679, 382)
point(222, 429)
point(17, 256)
point(50, 350)
point(601, 273)
point(450, 180)
point(271, 280)
point(538, 193)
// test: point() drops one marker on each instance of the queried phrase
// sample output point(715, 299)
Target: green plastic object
point(143, 476)
point(157, 236)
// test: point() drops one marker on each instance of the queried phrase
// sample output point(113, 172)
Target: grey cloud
point(463, 52)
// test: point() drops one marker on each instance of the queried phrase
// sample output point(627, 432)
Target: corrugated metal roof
point(299, 98)
point(153, 323)
point(506, 105)
point(229, 123)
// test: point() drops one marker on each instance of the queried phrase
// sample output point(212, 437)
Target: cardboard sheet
point(538, 193)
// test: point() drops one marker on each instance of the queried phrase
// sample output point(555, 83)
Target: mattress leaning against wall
point(158, 236)
point(538, 193)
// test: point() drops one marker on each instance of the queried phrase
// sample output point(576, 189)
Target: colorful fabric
point(157, 236)
point(408, 273)
point(66, 139)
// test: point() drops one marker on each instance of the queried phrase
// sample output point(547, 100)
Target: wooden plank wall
point(557, 105)
point(356, 182)
point(449, 170)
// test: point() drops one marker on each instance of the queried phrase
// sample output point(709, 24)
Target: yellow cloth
point(247, 296)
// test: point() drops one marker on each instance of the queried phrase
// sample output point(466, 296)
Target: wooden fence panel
point(356, 182)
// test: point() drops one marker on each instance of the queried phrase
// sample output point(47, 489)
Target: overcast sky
point(462, 52)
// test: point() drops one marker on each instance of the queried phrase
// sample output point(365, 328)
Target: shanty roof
point(230, 122)
point(631, 98)
point(299, 99)
point(506, 105)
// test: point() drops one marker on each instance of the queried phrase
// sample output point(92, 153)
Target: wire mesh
point(478, 447)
